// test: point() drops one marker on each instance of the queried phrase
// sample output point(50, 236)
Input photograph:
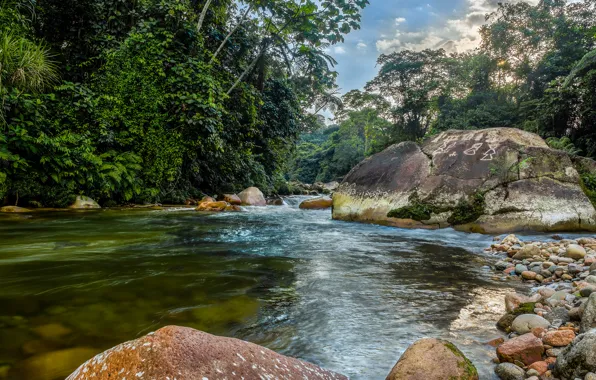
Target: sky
point(392, 25)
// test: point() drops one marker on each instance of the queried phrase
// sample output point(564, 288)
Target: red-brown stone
point(541, 367)
point(526, 349)
point(186, 354)
point(558, 338)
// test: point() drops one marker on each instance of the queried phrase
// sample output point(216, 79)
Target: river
point(349, 297)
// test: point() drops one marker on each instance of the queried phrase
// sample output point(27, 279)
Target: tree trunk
point(230, 35)
point(248, 69)
point(202, 16)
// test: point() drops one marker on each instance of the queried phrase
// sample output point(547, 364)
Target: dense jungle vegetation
point(158, 100)
point(535, 70)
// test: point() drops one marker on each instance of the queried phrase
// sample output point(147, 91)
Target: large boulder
point(588, 321)
point(433, 359)
point(186, 354)
point(488, 181)
point(83, 202)
point(252, 197)
point(316, 204)
point(578, 358)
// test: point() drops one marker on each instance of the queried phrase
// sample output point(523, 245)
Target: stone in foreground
point(433, 359)
point(187, 354)
point(316, 204)
point(578, 358)
point(489, 181)
point(509, 371)
point(252, 197)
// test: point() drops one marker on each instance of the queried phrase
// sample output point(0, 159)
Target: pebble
point(509, 371)
point(519, 268)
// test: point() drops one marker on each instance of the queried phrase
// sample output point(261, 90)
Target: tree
point(412, 81)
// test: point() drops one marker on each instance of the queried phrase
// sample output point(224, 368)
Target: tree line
point(158, 100)
point(535, 69)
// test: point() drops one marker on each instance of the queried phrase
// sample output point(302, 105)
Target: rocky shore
point(551, 331)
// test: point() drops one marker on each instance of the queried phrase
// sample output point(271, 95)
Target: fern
point(564, 143)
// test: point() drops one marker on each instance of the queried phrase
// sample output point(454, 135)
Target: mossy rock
point(433, 359)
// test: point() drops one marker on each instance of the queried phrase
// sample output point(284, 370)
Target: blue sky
point(391, 25)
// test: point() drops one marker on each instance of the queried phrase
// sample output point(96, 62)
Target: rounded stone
point(433, 359)
point(185, 353)
point(575, 251)
point(509, 371)
point(252, 197)
point(526, 322)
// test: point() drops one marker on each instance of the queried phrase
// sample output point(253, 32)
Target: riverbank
point(545, 328)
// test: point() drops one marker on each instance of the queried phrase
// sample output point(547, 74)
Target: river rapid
point(349, 297)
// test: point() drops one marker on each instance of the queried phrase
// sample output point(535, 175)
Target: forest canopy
point(535, 69)
point(158, 100)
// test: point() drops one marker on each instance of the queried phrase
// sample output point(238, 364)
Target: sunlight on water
point(350, 297)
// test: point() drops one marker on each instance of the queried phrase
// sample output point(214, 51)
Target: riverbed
point(349, 297)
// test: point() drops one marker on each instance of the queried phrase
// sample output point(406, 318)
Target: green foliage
point(564, 143)
point(467, 211)
point(145, 111)
point(418, 211)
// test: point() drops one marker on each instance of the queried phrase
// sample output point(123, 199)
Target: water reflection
point(350, 297)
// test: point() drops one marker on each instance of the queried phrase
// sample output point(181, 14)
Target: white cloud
point(361, 46)
point(452, 34)
point(339, 50)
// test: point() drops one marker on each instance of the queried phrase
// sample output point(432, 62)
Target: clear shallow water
point(347, 296)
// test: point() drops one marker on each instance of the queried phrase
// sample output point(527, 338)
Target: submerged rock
point(252, 197)
point(275, 202)
point(316, 204)
point(187, 354)
point(433, 359)
point(488, 181)
point(52, 365)
point(14, 209)
point(83, 202)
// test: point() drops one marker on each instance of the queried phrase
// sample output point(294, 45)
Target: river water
point(349, 297)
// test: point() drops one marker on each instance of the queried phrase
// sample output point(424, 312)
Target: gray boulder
point(489, 181)
point(577, 359)
point(589, 315)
